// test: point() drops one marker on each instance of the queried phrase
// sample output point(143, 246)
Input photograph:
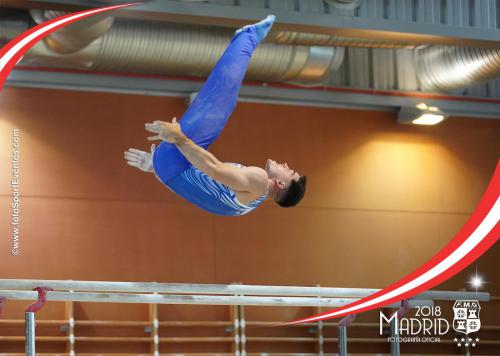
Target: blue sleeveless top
point(210, 195)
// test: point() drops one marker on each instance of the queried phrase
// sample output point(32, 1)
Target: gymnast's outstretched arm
point(247, 179)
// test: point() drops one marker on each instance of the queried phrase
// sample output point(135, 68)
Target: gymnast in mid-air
point(182, 161)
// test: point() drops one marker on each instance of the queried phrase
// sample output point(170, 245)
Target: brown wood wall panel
point(111, 240)
point(329, 247)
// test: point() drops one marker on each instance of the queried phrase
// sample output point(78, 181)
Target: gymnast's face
point(280, 172)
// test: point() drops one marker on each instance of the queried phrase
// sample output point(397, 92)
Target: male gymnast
point(182, 161)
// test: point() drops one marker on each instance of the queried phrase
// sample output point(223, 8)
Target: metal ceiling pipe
point(448, 68)
point(317, 39)
point(159, 48)
point(76, 36)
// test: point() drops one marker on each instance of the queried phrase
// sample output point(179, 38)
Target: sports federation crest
point(466, 319)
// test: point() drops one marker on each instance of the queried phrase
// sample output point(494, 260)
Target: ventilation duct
point(78, 35)
point(159, 48)
point(448, 68)
point(318, 39)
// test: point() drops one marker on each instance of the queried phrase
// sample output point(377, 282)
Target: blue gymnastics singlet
point(209, 194)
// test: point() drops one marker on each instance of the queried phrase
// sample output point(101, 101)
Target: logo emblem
point(466, 316)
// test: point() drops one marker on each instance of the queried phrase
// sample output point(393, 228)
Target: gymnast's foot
point(261, 28)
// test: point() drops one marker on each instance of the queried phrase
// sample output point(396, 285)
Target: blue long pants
point(207, 115)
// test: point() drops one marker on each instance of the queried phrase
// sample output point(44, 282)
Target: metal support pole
point(343, 324)
point(394, 339)
point(2, 300)
point(243, 335)
point(405, 306)
point(30, 333)
point(29, 318)
point(236, 332)
point(321, 339)
point(342, 340)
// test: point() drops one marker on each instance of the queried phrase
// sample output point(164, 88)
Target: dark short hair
point(294, 193)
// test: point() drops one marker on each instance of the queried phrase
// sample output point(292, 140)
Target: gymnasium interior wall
point(382, 199)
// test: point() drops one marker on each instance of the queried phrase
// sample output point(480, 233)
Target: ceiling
point(366, 78)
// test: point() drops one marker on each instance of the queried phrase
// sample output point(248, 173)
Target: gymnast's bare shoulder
point(251, 181)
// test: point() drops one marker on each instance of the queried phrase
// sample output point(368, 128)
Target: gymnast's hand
point(167, 131)
point(140, 159)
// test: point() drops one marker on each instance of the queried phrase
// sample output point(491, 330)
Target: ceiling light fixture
point(421, 114)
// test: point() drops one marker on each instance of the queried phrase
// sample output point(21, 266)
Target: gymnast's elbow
point(216, 169)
